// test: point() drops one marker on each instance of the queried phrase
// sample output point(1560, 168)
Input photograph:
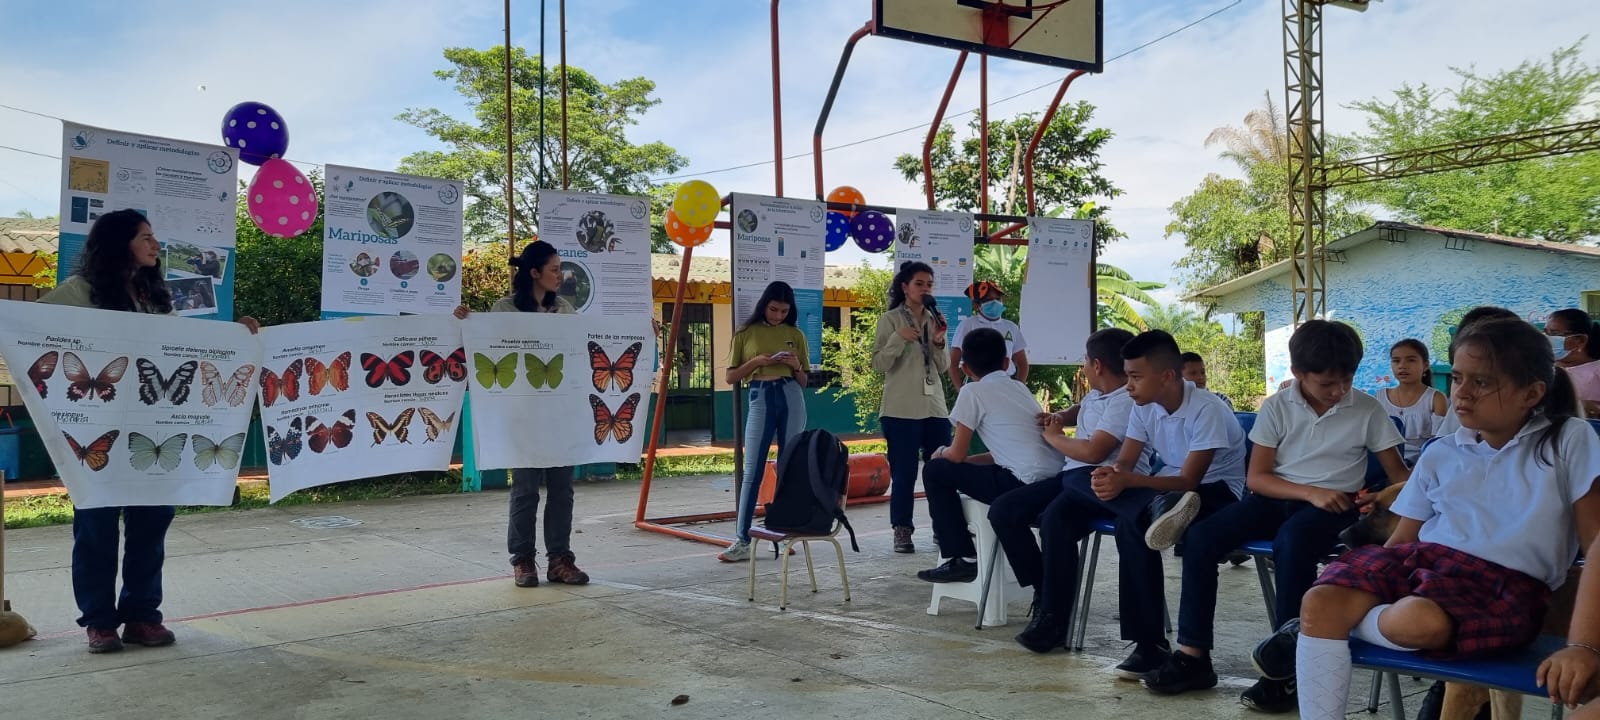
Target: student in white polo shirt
point(1005, 414)
point(1310, 460)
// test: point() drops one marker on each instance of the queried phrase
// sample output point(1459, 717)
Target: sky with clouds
point(341, 71)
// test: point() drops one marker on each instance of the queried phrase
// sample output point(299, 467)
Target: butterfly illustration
point(214, 389)
point(397, 370)
point(434, 425)
point(226, 453)
point(437, 367)
point(81, 385)
point(42, 369)
point(491, 373)
point(147, 452)
point(320, 435)
point(617, 372)
point(335, 374)
point(286, 385)
point(285, 446)
point(400, 428)
point(98, 453)
point(542, 373)
point(618, 424)
point(154, 388)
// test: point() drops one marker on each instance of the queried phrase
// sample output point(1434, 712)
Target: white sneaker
point(739, 551)
point(1167, 530)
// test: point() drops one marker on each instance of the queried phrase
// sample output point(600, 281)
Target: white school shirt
point(1329, 450)
point(1418, 418)
point(1007, 330)
point(1107, 413)
point(1507, 506)
point(1202, 422)
point(1005, 415)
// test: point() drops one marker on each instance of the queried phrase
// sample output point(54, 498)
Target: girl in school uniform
point(909, 351)
point(1491, 521)
point(1419, 407)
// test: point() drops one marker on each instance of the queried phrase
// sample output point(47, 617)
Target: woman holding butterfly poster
point(534, 288)
point(770, 351)
point(120, 269)
point(909, 351)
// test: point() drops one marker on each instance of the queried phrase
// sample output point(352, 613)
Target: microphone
point(932, 304)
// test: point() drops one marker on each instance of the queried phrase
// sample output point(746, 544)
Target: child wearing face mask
point(987, 312)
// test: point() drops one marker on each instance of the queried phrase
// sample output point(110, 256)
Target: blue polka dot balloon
point(873, 231)
point(258, 131)
point(838, 230)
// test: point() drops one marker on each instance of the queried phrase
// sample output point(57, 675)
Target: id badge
point(928, 387)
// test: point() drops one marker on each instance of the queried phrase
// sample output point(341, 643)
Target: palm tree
point(1115, 293)
point(1262, 140)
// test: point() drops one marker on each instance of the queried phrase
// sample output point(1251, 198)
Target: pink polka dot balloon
point(872, 230)
point(281, 201)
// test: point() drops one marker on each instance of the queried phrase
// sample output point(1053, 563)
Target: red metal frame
point(933, 130)
point(1033, 148)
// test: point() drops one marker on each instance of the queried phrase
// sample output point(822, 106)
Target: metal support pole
point(1302, 46)
point(827, 104)
point(933, 130)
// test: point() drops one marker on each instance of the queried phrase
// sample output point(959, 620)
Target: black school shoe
point(1045, 632)
point(954, 570)
point(1274, 656)
point(1181, 673)
point(1146, 657)
point(1271, 696)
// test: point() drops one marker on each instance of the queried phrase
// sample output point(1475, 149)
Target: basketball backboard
point(1064, 33)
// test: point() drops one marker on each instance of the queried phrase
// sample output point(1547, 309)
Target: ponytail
point(1523, 354)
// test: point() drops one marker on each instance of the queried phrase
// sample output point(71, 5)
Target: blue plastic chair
point(1595, 423)
point(1513, 671)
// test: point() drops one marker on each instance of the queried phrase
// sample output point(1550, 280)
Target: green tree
point(1233, 362)
point(848, 350)
point(602, 158)
point(1555, 198)
point(278, 281)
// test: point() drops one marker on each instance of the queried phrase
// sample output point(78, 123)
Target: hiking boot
point(1146, 657)
point(1045, 632)
point(104, 641)
point(1181, 673)
point(564, 570)
point(902, 540)
point(527, 572)
point(147, 634)
point(1274, 656)
point(1168, 526)
point(1272, 696)
point(739, 551)
point(954, 570)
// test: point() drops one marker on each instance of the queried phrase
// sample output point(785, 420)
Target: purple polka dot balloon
point(838, 230)
point(258, 131)
point(873, 231)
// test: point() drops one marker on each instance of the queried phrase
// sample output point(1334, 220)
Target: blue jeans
point(94, 564)
point(908, 440)
point(777, 412)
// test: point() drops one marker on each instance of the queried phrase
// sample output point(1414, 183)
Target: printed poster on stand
point(188, 191)
point(604, 243)
point(134, 409)
point(391, 244)
point(944, 241)
point(1058, 290)
point(359, 397)
point(780, 239)
point(551, 390)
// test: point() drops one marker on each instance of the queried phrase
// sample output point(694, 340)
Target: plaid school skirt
point(1494, 608)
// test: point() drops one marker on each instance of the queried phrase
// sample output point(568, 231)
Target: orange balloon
point(686, 235)
point(847, 194)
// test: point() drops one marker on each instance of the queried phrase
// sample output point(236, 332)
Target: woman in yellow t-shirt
point(770, 352)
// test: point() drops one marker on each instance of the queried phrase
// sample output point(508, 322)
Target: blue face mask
point(1558, 343)
point(992, 309)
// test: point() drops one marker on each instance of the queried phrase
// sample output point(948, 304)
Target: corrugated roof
point(717, 270)
point(27, 235)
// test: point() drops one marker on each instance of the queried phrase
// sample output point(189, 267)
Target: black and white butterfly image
point(174, 388)
point(285, 445)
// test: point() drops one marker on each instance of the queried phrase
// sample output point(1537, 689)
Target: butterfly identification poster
point(943, 240)
point(391, 244)
point(359, 397)
point(604, 243)
point(552, 390)
point(1058, 290)
point(186, 189)
point(134, 409)
point(780, 239)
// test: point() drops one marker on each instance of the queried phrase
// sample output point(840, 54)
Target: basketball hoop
point(1063, 33)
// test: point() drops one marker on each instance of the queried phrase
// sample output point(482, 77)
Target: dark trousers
point(943, 482)
point(520, 532)
point(94, 564)
point(1301, 535)
point(909, 440)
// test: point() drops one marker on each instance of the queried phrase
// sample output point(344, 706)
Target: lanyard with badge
point(928, 373)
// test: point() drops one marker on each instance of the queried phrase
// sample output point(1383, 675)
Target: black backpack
point(813, 470)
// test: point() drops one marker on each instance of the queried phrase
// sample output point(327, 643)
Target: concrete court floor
point(411, 614)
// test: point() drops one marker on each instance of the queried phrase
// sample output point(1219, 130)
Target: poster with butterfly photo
point(359, 397)
point(551, 390)
point(134, 409)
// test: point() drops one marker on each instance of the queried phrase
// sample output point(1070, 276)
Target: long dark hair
point(777, 291)
point(1417, 345)
point(1578, 322)
point(908, 270)
point(107, 261)
point(534, 255)
point(1519, 350)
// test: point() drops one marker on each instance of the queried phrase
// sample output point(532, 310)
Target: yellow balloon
point(697, 203)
